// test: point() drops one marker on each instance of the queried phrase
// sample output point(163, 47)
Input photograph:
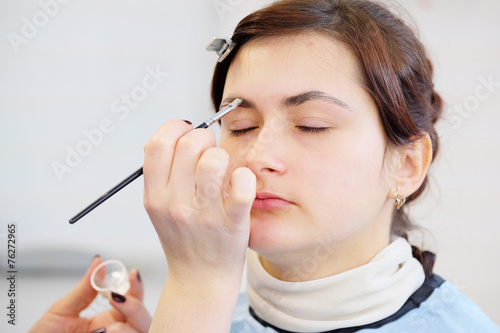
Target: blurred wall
point(84, 84)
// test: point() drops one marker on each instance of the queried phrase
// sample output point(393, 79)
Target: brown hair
point(398, 73)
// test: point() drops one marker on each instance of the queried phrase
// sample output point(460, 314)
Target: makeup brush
point(139, 171)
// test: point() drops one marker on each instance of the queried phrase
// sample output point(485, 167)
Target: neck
point(327, 258)
point(352, 298)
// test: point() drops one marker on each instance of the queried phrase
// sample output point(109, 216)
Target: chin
point(273, 237)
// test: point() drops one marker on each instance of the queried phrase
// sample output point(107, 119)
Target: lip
point(269, 201)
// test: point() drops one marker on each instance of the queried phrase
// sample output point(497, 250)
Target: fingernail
point(118, 298)
point(139, 276)
point(99, 330)
point(187, 122)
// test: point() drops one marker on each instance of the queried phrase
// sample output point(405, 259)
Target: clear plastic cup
point(110, 276)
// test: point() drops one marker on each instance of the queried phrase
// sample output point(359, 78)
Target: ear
point(414, 162)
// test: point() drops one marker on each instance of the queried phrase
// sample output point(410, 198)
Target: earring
point(399, 199)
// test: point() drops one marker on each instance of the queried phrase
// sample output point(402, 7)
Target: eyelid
point(313, 122)
point(239, 124)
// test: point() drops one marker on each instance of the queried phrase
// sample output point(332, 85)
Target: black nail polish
point(118, 298)
point(139, 276)
point(99, 330)
point(187, 122)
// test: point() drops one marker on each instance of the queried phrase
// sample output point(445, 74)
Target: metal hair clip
point(221, 46)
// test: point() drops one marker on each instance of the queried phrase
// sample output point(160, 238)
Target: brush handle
point(107, 195)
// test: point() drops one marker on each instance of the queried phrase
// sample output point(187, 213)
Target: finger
point(242, 194)
point(133, 310)
point(136, 286)
point(119, 327)
point(81, 296)
point(159, 152)
point(210, 174)
point(187, 154)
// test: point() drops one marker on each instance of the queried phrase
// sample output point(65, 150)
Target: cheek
point(348, 166)
point(364, 190)
point(344, 189)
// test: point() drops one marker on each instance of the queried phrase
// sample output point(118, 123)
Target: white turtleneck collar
point(356, 297)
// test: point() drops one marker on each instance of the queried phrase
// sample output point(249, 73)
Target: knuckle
point(157, 144)
point(152, 205)
point(205, 133)
point(189, 143)
point(197, 140)
point(211, 189)
point(181, 213)
point(214, 159)
point(166, 136)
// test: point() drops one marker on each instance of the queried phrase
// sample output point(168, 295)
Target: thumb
point(242, 194)
point(81, 296)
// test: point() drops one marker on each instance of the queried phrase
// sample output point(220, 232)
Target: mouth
point(269, 201)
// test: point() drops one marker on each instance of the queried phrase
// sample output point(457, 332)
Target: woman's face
point(312, 135)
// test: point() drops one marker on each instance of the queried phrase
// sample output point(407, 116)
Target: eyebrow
point(311, 96)
point(296, 100)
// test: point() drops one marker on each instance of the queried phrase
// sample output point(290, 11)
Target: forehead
point(296, 57)
point(287, 65)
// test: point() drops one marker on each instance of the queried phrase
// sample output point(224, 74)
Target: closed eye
point(241, 132)
point(307, 129)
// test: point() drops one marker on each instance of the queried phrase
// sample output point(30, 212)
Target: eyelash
point(304, 129)
point(242, 131)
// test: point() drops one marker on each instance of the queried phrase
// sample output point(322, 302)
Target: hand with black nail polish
point(118, 298)
point(128, 313)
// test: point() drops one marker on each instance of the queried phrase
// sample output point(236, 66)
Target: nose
point(267, 154)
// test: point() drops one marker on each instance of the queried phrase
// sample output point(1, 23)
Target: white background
point(69, 73)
